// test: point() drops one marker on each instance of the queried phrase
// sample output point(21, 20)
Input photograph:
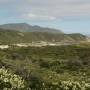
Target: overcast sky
point(68, 15)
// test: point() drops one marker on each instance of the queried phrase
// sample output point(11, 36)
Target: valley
point(41, 44)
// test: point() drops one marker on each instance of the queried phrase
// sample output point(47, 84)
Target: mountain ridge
point(24, 27)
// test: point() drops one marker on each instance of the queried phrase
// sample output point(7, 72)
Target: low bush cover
point(10, 81)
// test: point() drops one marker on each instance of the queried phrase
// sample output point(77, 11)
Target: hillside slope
point(24, 27)
point(10, 36)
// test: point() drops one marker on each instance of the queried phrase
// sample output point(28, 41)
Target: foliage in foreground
point(9, 81)
point(64, 85)
point(72, 85)
point(50, 67)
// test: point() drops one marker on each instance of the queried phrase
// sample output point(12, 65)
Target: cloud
point(32, 16)
point(45, 9)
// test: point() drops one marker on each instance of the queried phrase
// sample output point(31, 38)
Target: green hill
point(10, 36)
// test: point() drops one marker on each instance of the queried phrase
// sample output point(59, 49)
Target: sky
point(70, 16)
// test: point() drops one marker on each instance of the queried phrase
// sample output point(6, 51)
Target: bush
point(68, 85)
point(10, 81)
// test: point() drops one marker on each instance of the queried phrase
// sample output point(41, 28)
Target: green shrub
point(10, 81)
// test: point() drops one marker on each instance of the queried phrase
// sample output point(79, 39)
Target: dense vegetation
point(10, 81)
point(50, 67)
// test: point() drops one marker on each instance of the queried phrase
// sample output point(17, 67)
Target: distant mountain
point(77, 36)
point(12, 36)
point(24, 27)
point(88, 35)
